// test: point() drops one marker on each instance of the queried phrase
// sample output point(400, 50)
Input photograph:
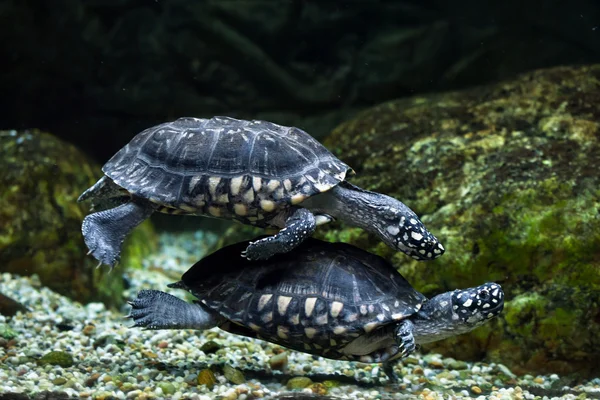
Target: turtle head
point(457, 312)
point(475, 306)
point(400, 228)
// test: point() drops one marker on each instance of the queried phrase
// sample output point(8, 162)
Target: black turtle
point(329, 299)
point(255, 172)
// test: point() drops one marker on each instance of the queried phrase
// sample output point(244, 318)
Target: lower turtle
point(328, 299)
point(254, 172)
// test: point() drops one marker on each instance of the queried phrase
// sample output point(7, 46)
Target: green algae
point(59, 358)
point(506, 177)
point(40, 218)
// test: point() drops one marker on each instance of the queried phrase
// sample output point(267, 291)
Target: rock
point(233, 375)
point(167, 388)
point(6, 332)
point(9, 307)
point(207, 377)
point(60, 358)
point(40, 220)
point(279, 361)
point(506, 176)
point(299, 382)
point(210, 347)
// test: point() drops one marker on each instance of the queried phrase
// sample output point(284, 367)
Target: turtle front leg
point(104, 232)
point(298, 226)
point(153, 309)
point(403, 334)
point(405, 339)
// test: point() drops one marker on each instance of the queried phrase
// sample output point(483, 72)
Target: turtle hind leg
point(153, 309)
point(299, 226)
point(104, 232)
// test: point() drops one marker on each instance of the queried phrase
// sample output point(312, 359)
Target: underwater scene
point(295, 199)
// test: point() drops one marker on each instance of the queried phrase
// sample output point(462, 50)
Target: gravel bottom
point(62, 349)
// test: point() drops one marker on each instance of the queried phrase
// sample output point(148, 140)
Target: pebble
point(279, 361)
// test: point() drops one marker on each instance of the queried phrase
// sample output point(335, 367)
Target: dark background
point(97, 72)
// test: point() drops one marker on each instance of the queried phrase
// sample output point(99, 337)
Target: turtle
point(251, 171)
point(332, 300)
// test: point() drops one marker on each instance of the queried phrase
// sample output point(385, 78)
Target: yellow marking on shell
point(339, 330)
point(235, 185)
point(213, 182)
point(254, 327)
point(267, 205)
point(332, 342)
point(309, 305)
point(240, 209)
point(282, 332)
point(370, 326)
point(282, 304)
point(322, 187)
point(188, 208)
point(317, 346)
point(298, 198)
point(307, 346)
point(321, 319)
point(264, 299)
point(310, 332)
point(287, 184)
point(249, 196)
point(256, 184)
point(336, 308)
point(397, 316)
point(273, 184)
point(214, 211)
point(222, 199)
point(268, 317)
point(295, 319)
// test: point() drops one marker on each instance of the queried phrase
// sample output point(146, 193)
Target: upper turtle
point(191, 162)
point(255, 172)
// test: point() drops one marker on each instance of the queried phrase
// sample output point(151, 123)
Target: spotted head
point(405, 232)
point(477, 305)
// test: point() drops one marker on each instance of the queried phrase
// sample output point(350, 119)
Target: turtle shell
point(316, 298)
point(190, 163)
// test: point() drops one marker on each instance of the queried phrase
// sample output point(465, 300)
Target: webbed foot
point(299, 226)
point(153, 309)
point(104, 232)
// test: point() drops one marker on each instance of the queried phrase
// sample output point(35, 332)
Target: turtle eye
point(484, 295)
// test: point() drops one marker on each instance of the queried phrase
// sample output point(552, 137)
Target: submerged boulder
point(507, 176)
point(40, 219)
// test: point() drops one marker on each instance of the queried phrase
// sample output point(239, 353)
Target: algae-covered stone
point(41, 178)
point(6, 332)
point(233, 375)
point(299, 382)
point(507, 177)
point(207, 377)
point(60, 358)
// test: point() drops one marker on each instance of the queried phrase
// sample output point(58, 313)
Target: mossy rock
point(506, 176)
point(40, 220)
